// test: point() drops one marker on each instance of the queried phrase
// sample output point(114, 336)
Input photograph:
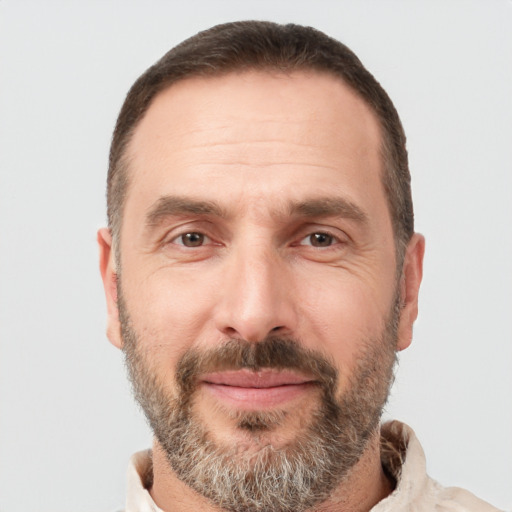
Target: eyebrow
point(329, 207)
point(168, 206)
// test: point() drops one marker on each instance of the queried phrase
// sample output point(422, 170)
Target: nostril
point(277, 328)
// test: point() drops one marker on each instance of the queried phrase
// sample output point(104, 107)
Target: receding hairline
point(271, 72)
point(128, 155)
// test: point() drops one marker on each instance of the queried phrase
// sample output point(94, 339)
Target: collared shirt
point(402, 458)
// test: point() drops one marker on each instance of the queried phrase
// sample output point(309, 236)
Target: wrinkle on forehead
point(311, 111)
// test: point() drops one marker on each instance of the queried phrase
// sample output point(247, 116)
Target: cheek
point(342, 316)
point(169, 311)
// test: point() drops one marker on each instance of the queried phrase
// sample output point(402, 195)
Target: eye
point(319, 239)
point(191, 239)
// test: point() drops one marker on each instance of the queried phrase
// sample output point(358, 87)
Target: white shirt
point(402, 457)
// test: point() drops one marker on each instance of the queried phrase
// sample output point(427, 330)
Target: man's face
point(258, 287)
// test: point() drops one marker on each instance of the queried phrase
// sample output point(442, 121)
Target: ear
point(109, 276)
point(412, 273)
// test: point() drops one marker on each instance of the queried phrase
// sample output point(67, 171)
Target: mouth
point(250, 390)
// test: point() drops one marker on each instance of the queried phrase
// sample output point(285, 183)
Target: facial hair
point(291, 478)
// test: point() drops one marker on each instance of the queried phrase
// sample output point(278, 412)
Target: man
point(261, 272)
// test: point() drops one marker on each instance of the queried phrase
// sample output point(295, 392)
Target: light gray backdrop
point(67, 424)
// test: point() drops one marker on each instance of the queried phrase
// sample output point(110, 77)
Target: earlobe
point(109, 277)
point(412, 273)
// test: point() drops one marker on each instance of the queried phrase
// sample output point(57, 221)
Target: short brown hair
point(258, 45)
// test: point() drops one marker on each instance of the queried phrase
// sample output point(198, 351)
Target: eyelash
point(182, 235)
point(206, 240)
point(333, 239)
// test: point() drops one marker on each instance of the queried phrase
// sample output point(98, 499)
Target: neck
point(363, 488)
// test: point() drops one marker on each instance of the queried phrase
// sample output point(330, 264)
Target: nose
point(256, 299)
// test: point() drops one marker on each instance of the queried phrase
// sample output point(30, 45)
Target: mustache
point(272, 352)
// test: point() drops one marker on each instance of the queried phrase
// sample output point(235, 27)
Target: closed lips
point(261, 379)
point(249, 390)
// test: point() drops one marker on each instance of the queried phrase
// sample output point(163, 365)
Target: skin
point(258, 145)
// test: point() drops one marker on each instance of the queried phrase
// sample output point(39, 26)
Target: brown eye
point(320, 239)
point(191, 239)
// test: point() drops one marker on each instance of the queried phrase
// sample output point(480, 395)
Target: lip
point(249, 390)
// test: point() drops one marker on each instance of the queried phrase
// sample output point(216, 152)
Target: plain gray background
point(67, 421)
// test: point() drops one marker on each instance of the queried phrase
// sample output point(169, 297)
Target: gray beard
point(292, 478)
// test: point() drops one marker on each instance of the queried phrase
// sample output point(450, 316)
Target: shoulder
point(455, 499)
point(415, 490)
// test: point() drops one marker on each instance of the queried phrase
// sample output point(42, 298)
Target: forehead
point(318, 98)
point(282, 128)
